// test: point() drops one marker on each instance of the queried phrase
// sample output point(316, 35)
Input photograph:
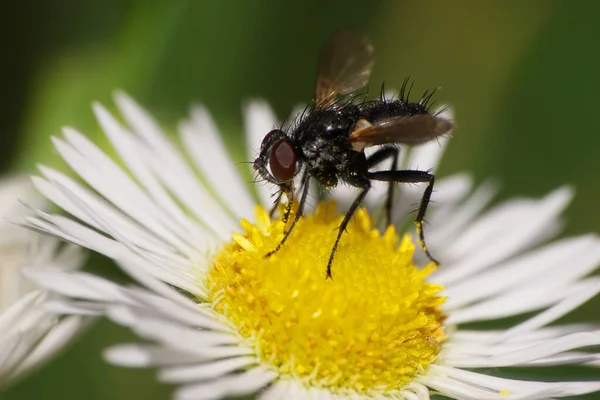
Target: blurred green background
point(522, 76)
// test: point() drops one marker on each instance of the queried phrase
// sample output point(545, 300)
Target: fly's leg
point(412, 176)
point(276, 203)
point(305, 187)
point(365, 185)
point(374, 159)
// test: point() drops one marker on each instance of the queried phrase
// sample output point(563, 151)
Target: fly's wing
point(344, 66)
point(408, 130)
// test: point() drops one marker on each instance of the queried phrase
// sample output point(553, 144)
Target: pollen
point(371, 329)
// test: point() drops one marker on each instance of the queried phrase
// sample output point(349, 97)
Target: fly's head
point(278, 160)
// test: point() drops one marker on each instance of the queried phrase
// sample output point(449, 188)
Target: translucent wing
point(344, 66)
point(409, 130)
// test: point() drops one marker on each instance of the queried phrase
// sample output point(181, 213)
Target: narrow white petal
point(142, 356)
point(52, 342)
point(452, 189)
point(174, 171)
point(134, 154)
point(443, 231)
point(195, 316)
point(515, 389)
point(205, 371)
point(9, 345)
point(259, 119)
point(139, 271)
point(234, 385)
point(68, 229)
point(427, 156)
point(533, 268)
point(569, 358)
point(203, 141)
point(278, 390)
point(529, 354)
point(203, 343)
point(27, 338)
point(515, 302)
point(82, 308)
point(145, 320)
point(9, 318)
point(69, 194)
point(418, 389)
point(112, 183)
point(485, 337)
point(458, 389)
point(560, 309)
point(66, 193)
point(78, 285)
point(493, 238)
point(154, 264)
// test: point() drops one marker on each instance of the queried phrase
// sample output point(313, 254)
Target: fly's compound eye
point(282, 160)
point(268, 136)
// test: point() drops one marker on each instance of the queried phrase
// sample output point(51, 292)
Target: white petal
point(569, 358)
point(155, 264)
point(78, 285)
point(445, 228)
point(143, 356)
point(205, 371)
point(516, 302)
point(259, 119)
point(560, 309)
point(9, 318)
point(453, 188)
point(501, 234)
point(67, 194)
point(529, 354)
point(234, 385)
point(537, 268)
point(467, 383)
point(427, 156)
point(278, 390)
point(57, 338)
point(203, 141)
point(134, 154)
point(82, 308)
point(145, 321)
point(174, 171)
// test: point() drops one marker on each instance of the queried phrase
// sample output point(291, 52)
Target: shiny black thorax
point(321, 138)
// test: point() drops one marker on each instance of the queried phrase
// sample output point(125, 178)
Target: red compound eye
point(282, 161)
point(267, 138)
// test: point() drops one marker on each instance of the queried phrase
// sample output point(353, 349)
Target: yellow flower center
point(370, 329)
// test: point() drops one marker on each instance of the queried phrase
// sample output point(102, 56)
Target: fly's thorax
point(323, 137)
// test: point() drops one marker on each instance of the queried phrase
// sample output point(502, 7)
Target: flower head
point(227, 321)
point(28, 334)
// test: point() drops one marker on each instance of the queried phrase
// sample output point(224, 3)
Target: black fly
point(328, 143)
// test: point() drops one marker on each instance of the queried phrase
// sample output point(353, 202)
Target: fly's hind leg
point(374, 159)
point(412, 176)
point(365, 185)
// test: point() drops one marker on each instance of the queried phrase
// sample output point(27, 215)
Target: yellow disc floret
point(370, 329)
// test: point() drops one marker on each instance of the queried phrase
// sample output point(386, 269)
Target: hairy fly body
point(328, 142)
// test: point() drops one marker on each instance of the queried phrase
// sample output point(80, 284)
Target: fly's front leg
point(411, 176)
point(276, 203)
point(288, 190)
point(305, 187)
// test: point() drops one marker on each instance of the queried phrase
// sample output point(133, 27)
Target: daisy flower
point(29, 334)
point(219, 319)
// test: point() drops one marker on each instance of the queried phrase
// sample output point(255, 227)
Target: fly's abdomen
point(378, 110)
